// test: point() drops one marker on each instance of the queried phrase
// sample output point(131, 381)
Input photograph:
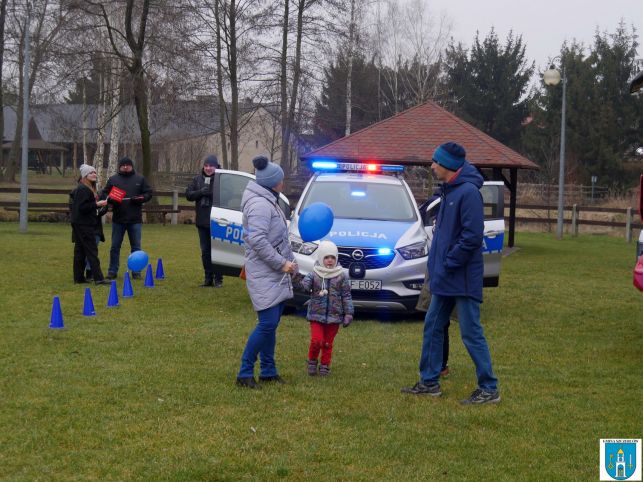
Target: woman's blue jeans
point(472, 334)
point(262, 342)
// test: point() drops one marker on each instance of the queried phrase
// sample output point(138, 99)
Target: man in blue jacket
point(456, 273)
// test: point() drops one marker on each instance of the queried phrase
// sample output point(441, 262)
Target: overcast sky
point(543, 24)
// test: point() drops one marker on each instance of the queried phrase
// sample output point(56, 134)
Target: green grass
point(145, 391)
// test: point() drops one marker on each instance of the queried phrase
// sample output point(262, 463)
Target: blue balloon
point(315, 221)
point(137, 261)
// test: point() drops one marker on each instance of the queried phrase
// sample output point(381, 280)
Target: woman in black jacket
point(86, 211)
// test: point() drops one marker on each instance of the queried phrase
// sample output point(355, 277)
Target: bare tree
point(349, 74)
point(3, 17)
point(45, 20)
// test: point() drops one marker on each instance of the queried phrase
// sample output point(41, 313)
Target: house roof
point(410, 137)
point(37, 145)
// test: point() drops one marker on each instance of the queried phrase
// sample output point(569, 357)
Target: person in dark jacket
point(86, 211)
point(200, 191)
point(425, 294)
point(456, 272)
point(127, 213)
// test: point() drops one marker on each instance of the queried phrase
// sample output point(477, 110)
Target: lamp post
point(553, 77)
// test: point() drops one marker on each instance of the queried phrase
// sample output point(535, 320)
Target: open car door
point(494, 227)
point(226, 227)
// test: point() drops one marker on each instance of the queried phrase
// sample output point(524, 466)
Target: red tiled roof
point(410, 137)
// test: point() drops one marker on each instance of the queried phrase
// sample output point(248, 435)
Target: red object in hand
point(117, 194)
point(638, 274)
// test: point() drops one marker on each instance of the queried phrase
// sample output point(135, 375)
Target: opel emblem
point(358, 255)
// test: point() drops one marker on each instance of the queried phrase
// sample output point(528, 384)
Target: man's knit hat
point(268, 173)
point(124, 161)
point(450, 155)
point(211, 160)
point(86, 170)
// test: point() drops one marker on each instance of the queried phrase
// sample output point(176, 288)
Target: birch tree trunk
point(221, 98)
point(349, 76)
point(283, 81)
point(234, 89)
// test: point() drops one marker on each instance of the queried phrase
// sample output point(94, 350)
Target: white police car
point(381, 236)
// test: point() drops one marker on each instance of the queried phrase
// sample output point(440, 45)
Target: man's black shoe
point(207, 283)
point(111, 275)
point(102, 282)
point(218, 284)
point(88, 274)
point(248, 382)
point(480, 397)
point(421, 389)
point(275, 379)
point(136, 275)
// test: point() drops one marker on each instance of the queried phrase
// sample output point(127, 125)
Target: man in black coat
point(201, 191)
point(127, 214)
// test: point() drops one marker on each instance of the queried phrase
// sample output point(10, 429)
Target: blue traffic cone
point(88, 307)
point(128, 292)
point(56, 315)
point(149, 279)
point(160, 274)
point(112, 300)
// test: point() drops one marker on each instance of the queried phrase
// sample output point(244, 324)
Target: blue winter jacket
point(455, 259)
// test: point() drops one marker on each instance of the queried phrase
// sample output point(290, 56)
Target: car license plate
point(366, 284)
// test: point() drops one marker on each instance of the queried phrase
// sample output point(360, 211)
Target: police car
point(382, 237)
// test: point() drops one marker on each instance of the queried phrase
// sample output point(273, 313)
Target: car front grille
point(370, 257)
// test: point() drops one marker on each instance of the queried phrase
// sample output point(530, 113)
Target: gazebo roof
point(410, 137)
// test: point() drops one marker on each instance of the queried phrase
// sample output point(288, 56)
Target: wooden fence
point(549, 216)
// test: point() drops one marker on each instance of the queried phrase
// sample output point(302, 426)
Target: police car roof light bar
point(373, 167)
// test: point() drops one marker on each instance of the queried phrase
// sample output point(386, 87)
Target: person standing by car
point(200, 191)
point(268, 260)
point(127, 213)
point(86, 211)
point(456, 273)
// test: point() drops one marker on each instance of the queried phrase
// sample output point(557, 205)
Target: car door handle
point(222, 221)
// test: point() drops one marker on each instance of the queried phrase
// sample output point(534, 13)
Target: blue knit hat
point(450, 155)
point(268, 173)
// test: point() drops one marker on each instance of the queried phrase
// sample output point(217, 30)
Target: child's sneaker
point(312, 367)
point(324, 370)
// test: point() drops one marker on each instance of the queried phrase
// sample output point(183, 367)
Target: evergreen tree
point(490, 85)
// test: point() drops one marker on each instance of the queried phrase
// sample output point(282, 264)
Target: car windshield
point(363, 200)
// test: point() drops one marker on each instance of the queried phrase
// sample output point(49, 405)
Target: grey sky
point(544, 24)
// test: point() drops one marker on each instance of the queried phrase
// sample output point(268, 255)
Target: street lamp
point(553, 77)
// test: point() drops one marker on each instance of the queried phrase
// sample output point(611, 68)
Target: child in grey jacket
point(330, 306)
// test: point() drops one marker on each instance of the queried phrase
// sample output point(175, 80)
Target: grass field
point(146, 391)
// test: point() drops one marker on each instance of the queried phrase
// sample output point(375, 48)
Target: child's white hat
point(326, 248)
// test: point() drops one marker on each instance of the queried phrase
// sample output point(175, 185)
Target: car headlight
point(300, 247)
point(415, 250)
